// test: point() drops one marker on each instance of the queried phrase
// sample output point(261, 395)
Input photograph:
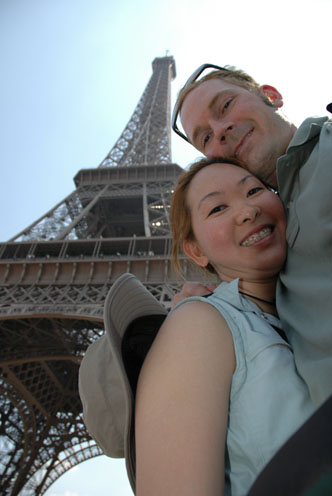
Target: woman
point(219, 387)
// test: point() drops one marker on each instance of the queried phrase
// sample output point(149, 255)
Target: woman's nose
point(247, 213)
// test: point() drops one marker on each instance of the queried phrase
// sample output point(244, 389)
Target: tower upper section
point(146, 137)
point(129, 193)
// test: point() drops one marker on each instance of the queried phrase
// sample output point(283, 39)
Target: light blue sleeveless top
point(268, 399)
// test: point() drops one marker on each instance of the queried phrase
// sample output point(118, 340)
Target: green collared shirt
point(304, 293)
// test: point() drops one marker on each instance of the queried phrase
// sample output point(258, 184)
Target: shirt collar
point(308, 130)
point(229, 292)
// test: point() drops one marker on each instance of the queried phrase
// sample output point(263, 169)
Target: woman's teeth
point(257, 236)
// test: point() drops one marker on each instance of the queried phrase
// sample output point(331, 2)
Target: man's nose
point(221, 141)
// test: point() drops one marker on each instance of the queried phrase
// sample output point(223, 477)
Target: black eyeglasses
point(195, 75)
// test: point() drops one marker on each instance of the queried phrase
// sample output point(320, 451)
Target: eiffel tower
point(54, 277)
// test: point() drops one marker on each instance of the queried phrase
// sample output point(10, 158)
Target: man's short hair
point(233, 76)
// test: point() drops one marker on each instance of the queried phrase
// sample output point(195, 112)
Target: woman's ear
point(273, 95)
point(193, 251)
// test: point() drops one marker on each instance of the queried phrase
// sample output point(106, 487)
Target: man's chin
point(265, 169)
point(270, 179)
point(268, 175)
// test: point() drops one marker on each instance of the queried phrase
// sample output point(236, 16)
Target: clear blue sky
point(72, 72)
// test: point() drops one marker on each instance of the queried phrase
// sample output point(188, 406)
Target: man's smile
point(242, 142)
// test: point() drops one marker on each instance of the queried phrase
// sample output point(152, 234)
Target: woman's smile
point(238, 224)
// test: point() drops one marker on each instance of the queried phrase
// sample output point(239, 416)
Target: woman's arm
point(182, 405)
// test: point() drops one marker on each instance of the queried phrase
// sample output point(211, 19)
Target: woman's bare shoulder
point(189, 366)
point(197, 327)
point(198, 316)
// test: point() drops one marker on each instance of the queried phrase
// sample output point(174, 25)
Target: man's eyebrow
point(211, 106)
point(217, 97)
point(196, 133)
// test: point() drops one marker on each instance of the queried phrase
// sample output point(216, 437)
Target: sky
point(72, 73)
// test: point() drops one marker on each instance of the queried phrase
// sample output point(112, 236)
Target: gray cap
point(109, 370)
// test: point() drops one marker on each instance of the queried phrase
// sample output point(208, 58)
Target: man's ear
point(193, 251)
point(273, 95)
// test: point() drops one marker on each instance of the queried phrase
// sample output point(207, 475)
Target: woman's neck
point(261, 293)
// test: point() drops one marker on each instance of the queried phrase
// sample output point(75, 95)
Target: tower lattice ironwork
point(54, 277)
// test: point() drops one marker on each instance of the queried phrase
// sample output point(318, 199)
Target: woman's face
point(239, 225)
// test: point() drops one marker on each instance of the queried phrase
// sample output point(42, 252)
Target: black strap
point(280, 332)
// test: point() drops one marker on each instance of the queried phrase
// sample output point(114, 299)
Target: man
point(227, 114)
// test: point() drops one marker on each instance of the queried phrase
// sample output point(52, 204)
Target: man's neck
point(273, 180)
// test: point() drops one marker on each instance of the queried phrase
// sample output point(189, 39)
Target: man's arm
point(193, 289)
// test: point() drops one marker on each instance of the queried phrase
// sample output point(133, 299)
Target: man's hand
point(192, 289)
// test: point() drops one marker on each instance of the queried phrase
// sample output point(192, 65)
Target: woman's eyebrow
point(245, 178)
point(209, 195)
point(222, 192)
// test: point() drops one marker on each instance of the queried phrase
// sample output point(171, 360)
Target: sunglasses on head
point(195, 75)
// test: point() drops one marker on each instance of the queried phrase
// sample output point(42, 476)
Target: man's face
point(228, 121)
